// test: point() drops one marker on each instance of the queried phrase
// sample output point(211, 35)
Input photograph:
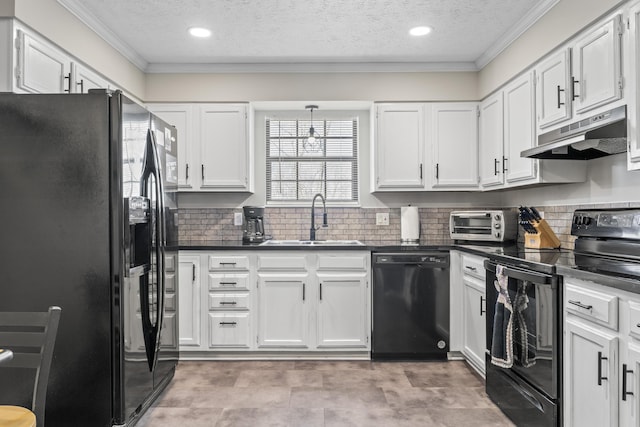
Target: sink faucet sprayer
point(312, 231)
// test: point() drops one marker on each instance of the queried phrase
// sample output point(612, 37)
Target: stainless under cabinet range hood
point(590, 138)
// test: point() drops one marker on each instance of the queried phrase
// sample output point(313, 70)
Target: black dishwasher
point(410, 305)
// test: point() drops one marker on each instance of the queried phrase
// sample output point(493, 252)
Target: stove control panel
point(616, 223)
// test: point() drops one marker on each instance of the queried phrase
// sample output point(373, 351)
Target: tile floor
point(324, 393)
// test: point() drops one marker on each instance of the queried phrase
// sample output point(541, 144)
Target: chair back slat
point(8, 318)
point(24, 360)
point(22, 339)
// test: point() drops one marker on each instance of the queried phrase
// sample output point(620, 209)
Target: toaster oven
point(484, 225)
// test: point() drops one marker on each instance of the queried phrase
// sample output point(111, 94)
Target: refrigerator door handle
point(161, 243)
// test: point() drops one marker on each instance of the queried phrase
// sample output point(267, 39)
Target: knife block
point(545, 238)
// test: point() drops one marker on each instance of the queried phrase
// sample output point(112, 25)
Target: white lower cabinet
point(275, 302)
point(601, 355)
point(283, 310)
point(474, 328)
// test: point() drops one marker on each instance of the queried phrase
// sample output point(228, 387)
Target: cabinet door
point(190, 306)
point(596, 67)
point(342, 308)
point(630, 387)
point(41, 67)
point(633, 69)
point(491, 141)
point(399, 140)
point(283, 310)
point(519, 129)
point(455, 131)
point(590, 376)
point(474, 328)
point(553, 92)
point(180, 116)
point(85, 79)
point(224, 147)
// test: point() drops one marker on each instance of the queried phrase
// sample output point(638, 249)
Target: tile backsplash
point(206, 224)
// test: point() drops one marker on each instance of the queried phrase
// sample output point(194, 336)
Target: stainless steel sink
point(312, 243)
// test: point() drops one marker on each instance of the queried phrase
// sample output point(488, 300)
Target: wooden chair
point(41, 337)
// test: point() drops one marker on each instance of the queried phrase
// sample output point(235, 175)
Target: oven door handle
point(518, 274)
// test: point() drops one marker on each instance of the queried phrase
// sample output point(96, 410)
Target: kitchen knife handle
point(560, 103)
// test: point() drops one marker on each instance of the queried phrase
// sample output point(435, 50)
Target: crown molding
point(314, 67)
point(83, 14)
point(514, 32)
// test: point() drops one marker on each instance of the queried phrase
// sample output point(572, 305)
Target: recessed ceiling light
point(419, 31)
point(199, 32)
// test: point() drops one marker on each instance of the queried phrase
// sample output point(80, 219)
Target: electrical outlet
point(382, 218)
point(237, 218)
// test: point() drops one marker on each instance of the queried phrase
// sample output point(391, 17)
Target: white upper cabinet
point(633, 79)
point(180, 116)
point(491, 141)
point(596, 67)
point(553, 89)
point(224, 147)
point(42, 68)
point(454, 139)
point(519, 129)
point(399, 147)
point(85, 78)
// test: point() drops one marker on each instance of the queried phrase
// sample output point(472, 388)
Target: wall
point(458, 86)
point(7, 8)
point(608, 181)
point(53, 21)
point(561, 23)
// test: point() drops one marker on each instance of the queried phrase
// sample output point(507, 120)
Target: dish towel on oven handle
point(502, 338)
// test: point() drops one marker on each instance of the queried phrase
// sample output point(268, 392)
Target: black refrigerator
point(88, 222)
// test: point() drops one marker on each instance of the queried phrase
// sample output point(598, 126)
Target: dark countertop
point(369, 245)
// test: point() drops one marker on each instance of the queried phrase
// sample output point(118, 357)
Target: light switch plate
point(237, 218)
point(382, 218)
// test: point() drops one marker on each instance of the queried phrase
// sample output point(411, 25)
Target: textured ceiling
point(154, 32)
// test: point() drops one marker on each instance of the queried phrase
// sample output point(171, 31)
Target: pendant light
point(311, 143)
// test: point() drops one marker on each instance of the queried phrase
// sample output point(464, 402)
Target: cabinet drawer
point(473, 266)
point(228, 263)
point(170, 263)
point(286, 262)
point(229, 330)
point(596, 306)
point(634, 319)
point(170, 302)
point(229, 301)
point(221, 281)
point(342, 262)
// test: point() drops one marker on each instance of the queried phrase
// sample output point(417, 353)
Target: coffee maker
point(253, 224)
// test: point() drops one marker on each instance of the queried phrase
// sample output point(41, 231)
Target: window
point(297, 170)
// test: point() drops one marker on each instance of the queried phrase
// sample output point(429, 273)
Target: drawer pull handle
point(600, 359)
point(228, 283)
point(637, 325)
point(228, 263)
point(471, 268)
point(579, 304)
point(228, 323)
point(625, 371)
point(228, 303)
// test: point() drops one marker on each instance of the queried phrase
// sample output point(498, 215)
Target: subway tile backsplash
point(207, 224)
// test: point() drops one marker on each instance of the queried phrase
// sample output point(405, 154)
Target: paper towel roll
point(409, 225)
